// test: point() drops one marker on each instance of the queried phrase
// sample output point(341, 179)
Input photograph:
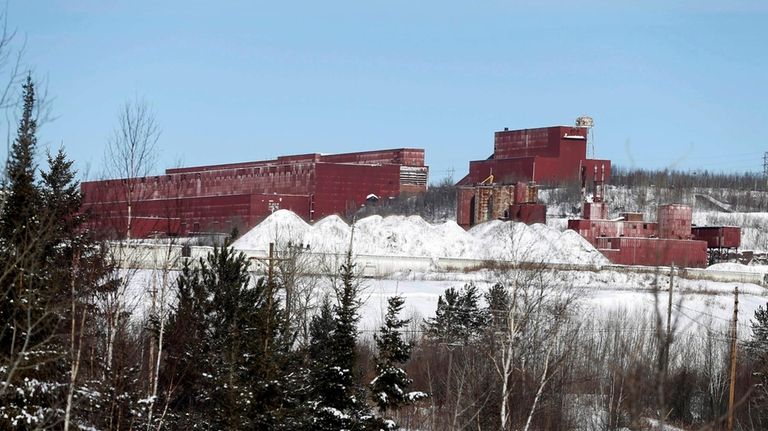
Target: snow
point(600, 293)
point(413, 236)
point(738, 267)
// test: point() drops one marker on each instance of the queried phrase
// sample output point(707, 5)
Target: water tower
point(589, 123)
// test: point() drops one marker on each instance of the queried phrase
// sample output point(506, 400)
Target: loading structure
point(492, 201)
point(218, 198)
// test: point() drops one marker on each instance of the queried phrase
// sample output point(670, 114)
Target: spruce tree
point(499, 301)
point(321, 327)
point(388, 388)
point(60, 194)
point(30, 358)
point(22, 196)
point(50, 270)
point(458, 318)
point(337, 400)
point(230, 353)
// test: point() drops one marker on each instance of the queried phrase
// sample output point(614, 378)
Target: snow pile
point(534, 243)
point(412, 236)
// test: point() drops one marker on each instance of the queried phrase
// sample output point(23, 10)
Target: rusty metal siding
point(504, 171)
point(342, 188)
point(546, 141)
point(675, 221)
point(718, 236)
point(655, 251)
point(218, 197)
point(400, 156)
point(464, 207)
point(528, 213)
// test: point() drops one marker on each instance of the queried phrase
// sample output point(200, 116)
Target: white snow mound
point(413, 236)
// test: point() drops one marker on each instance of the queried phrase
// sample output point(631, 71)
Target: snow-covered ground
point(697, 303)
point(599, 292)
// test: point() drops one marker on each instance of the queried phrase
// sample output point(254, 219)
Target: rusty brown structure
point(217, 198)
point(491, 201)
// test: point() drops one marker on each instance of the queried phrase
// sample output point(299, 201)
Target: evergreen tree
point(757, 347)
point(60, 194)
point(336, 399)
point(321, 327)
point(458, 318)
point(50, 272)
point(229, 357)
point(30, 311)
point(22, 196)
point(388, 388)
point(757, 350)
point(499, 301)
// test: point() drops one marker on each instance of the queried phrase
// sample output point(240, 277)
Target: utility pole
point(732, 388)
point(271, 260)
point(668, 341)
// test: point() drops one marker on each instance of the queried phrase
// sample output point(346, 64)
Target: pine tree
point(499, 301)
point(757, 347)
point(388, 388)
point(230, 355)
point(458, 318)
point(30, 359)
point(336, 399)
point(60, 194)
point(757, 350)
point(19, 215)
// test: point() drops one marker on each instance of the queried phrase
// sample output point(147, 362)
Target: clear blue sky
point(681, 84)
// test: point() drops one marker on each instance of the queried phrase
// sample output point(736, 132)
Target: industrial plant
point(217, 198)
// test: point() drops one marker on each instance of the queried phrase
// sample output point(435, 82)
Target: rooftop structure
point(546, 155)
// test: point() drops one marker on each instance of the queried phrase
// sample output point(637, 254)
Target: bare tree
point(132, 151)
point(130, 155)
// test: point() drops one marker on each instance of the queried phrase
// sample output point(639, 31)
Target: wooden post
point(668, 341)
point(732, 388)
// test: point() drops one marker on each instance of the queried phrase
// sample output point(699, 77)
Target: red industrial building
point(630, 240)
point(548, 155)
point(217, 198)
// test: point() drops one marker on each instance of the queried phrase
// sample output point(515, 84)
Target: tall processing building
point(546, 155)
